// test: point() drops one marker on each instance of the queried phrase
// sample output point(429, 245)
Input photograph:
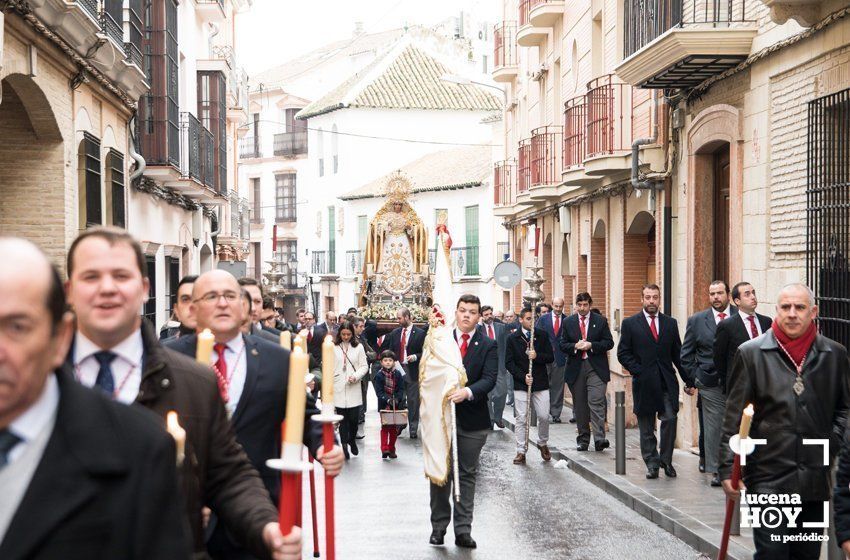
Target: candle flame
point(329, 340)
point(172, 423)
point(749, 411)
point(206, 333)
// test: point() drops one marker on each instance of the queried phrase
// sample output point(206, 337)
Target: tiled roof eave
point(302, 116)
point(454, 187)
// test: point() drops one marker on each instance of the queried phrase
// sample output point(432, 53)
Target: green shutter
point(472, 240)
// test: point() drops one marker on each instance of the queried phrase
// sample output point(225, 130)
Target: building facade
point(718, 101)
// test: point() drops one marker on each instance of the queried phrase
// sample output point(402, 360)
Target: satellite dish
point(507, 274)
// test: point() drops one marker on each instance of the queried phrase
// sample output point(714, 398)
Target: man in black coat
point(481, 362)
point(798, 383)
point(585, 341)
point(737, 329)
point(81, 477)
point(407, 341)
point(698, 360)
point(315, 337)
point(518, 351)
point(649, 348)
point(257, 374)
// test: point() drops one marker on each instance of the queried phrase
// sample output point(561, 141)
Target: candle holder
point(328, 418)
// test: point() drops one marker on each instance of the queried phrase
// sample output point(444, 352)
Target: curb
point(679, 524)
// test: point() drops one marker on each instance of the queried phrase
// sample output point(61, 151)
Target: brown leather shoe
point(519, 459)
point(544, 452)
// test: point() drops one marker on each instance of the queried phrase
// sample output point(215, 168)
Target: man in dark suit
point(81, 477)
point(736, 330)
point(552, 322)
point(186, 323)
point(517, 357)
point(481, 362)
point(255, 291)
point(253, 376)
point(315, 337)
point(585, 340)
point(331, 323)
point(698, 360)
point(498, 396)
point(120, 356)
point(407, 341)
point(649, 348)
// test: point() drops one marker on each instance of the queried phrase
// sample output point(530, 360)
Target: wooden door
point(721, 214)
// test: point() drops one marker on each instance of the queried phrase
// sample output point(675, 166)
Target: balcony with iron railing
point(353, 263)
point(290, 144)
point(211, 10)
point(465, 261)
point(90, 7)
point(546, 151)
point(575, 143)
point(319, 262)
point(681, 43)
point(111, 21)
point(505, 59)
point(523, 169)
point(528, 34)
point(545, 13)
point(504, 187)
point(249, 147)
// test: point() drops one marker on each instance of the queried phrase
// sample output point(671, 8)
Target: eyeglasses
point(213, 297)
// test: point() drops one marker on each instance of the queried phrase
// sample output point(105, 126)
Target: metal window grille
point(115, 162)
point(828, 212)
point(91, 164)
point(285, 190)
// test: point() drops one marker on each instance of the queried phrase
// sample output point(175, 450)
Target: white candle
point(206, 341)
point(286, 340)
point(746, 420)
point(178, 433)
point(296, 397)
point(328, 371)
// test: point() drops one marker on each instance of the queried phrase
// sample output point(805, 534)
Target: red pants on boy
point(388, 436)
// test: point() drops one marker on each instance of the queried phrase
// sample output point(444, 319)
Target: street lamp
point(464, 81)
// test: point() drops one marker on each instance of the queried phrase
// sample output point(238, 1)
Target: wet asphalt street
point(534, 511)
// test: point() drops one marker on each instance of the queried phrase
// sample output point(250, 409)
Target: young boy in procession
point(389, 388)
point(517, 355)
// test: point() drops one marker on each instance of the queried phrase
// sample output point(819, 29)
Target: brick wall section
point(598, 273)
point(581, 277)
point(549, 285)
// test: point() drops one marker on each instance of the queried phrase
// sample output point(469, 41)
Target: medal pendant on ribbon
point(798, 386)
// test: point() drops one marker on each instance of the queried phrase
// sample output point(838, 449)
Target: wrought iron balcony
point(111, 19)
point(681, 43)
point(504, 183)
point(197, 152)
point(575, 129)
point(546, 155)
point(528, 33)
point(290, 143)
point(524, 166)
point(353, 263)
point(91, 8)
point(319, 262)
point(249, 147)
point(504, 51)
point(465, 261)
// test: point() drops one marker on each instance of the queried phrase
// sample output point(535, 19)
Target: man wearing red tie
point(551, 322)
point(407, 341)
point(499, 333)
point(649, 348)
point(737, 329)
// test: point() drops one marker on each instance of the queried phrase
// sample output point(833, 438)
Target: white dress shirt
point(126, 367)
point(650, 320)
point(40, 416)
point(717, 313)
point(459, 339)
point(237, 371)
point(744, 315)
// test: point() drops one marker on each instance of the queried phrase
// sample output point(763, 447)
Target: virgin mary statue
point(397, 245)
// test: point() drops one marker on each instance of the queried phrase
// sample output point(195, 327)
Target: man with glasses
point(118, 355)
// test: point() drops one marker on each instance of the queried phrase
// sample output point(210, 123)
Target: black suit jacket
point(730, 334)
point(516, 359)
point(698, 346)
point(314, 345)
point(414, 347)
point(651, 363)
point(106, 486)
point(599, 336)
point(482, 369)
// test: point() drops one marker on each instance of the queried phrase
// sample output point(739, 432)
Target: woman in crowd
point(350, 365)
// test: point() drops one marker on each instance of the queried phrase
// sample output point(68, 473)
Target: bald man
point(62, 445)
point(117, 353)
point(252, 375)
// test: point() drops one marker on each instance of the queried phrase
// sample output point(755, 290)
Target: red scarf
point(389, 381)
point(798, 347)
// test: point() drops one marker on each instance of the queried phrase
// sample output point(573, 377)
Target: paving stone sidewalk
point(687, 506)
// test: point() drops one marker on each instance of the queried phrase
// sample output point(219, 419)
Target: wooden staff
point(531, 346)
point(455, 468)
point(743, 435)
point(313, 511)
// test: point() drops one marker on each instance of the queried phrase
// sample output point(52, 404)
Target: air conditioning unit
point(538, 74)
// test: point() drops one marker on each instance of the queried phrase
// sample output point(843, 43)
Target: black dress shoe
point(652, 472)
point(413, 435)
point(500, 424)
point(345, 452)
point(573, 420)
point(354, 450)
point(437, 538)
point(393, 455)
point(581, 447)
point(385, 455)
point(701, 465)
point(669, 471)
point(556, 420)
point(716, 480)
point(465, 540)
point(601, 444)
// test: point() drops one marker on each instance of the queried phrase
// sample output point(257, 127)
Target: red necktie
point(583, 334)
point(310, 336)
point(753, 330)
point(221, 371)
point(464, 345)
point(721, 316)
point(557, 323)
point(490, 332)
point(402, 351)
point(652, 327)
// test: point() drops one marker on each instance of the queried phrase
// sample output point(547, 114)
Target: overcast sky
point(274, 31)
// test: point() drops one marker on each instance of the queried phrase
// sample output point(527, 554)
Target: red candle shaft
point(313, 511)
point(330, 545)
point(730, 509)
